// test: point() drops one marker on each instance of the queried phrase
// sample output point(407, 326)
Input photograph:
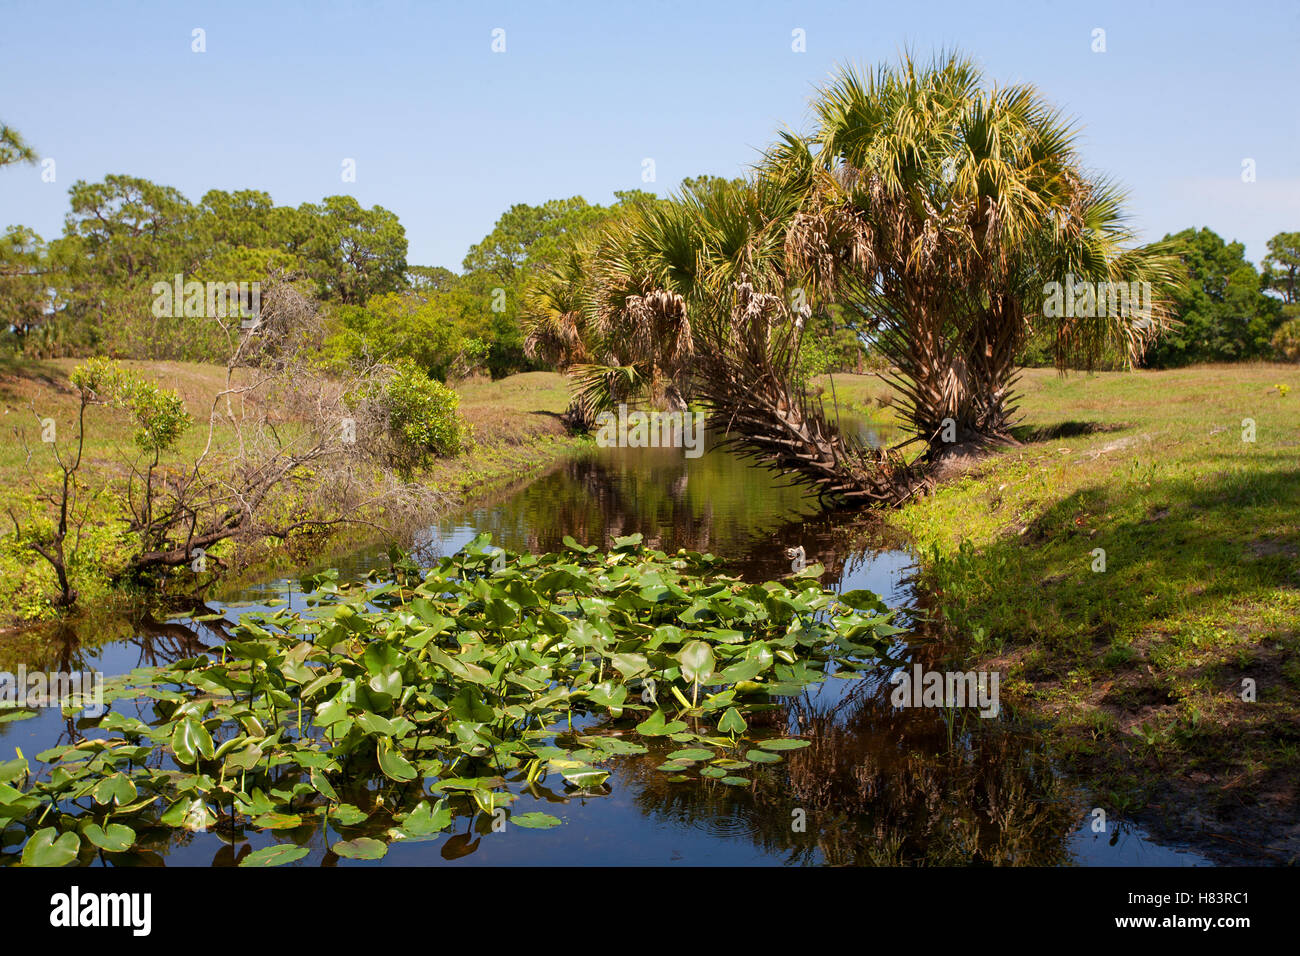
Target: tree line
point(89, 291)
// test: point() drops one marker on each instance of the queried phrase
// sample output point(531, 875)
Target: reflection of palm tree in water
point(880, 785)
point(595, 500)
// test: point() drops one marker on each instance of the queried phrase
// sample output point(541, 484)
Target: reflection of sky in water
point(714, 503)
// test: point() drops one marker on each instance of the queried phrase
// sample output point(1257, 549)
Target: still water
point(878, 785)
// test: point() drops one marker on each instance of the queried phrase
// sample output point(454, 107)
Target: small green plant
point(424, 412)
point(159, 414)
point(160, 419)
point(418, 415)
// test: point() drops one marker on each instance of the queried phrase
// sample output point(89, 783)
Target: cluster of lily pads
point(392, 707)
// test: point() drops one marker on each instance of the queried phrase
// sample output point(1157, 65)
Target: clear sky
point(448, 134)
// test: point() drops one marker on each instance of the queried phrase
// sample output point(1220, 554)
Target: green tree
point(120, 236)
point(937, 208)
point(352, 252)
point(13, 148)
point(24, 284)
point(128, 229)
point(526, 236)
point(426, 279)
point(1282, 266)
point(423, 330)
point(1222, 311)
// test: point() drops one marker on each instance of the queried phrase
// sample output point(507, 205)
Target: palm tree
point(690, 298)
point(554, 328)
point(937, 210)
point(934, 210)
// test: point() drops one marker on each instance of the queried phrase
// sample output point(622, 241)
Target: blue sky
point(448, 134)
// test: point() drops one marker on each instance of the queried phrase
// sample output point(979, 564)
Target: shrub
point(1286, 340)
point(418, 414)
point(424, 412)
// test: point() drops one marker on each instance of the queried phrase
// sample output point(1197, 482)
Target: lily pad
point(362, 848)
point(535, 821)
point(692, 754)
point(657, 725)
point(277, 821)
point(732, 722)
point(50, 848)
point(277, 855)
point(114, 838)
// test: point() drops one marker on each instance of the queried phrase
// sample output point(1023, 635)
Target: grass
point(515, 425)
point(1137, 670)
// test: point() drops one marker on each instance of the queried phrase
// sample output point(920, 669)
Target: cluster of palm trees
point(930, 207)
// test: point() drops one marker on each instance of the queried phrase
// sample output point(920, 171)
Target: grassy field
point(515, 423)
point(1141, 671)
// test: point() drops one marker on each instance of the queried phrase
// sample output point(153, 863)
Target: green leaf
point(862, 600)
point(656, 726)
point(631, 665)
point(741, 671)
point(192, 814)
point(11, 770)
point(362, 848)
point(278, 821)
point(276, 855)
point(191, 740)
point(732, 722)
point(691, 753)
point(115, 838)
point(574, 546)
point(117, 788)
point(347, 815)
point(48, 848)
point(673, 766)
point(395, 766)
point(437, 624)
point(535, 820)
point(697, 661)
point(784, 743)
point(374, 724)
point(425, 819)
point(323, 786)
point(608, 694)
point(580, 775)
point(616, 746)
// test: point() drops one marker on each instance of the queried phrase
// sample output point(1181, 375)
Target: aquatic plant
point(385, 709)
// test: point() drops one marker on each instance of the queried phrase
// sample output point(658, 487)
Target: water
point(879, 785)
